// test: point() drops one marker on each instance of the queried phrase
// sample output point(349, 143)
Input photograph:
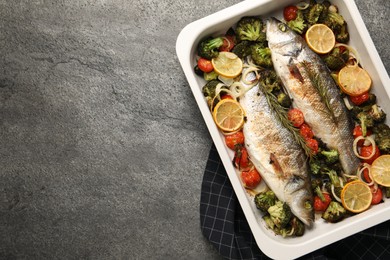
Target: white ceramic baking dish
point(322, 233)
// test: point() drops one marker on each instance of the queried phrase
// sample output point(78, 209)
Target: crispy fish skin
point(276, 155)
point(294, 62)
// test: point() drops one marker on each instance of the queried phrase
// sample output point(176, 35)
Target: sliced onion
point(334, 194)
point(360, 172)
point(225, 38)
point(347, 103)
point(227, 81)
point(355, 146)
point(245, 76)
point(303, 5)
point(352, 52)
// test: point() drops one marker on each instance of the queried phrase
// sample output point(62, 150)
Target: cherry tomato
point(226, 96)
point(357, 131)
point(320, 205)
point(366, 176)
point(241, 159)
point(296, 117)
point(376, 195)
point(228, 43)
point(306, 131)
point(234, 139)
point(313, 145)
point(358, 100)
point(290, 13)
point(366, 151)
point(251, 178)
point(205, 65)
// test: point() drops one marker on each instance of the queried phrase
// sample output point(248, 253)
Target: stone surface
point(102, 146)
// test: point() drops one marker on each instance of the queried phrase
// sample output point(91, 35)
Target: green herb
point(281, 115)
point(320, 86)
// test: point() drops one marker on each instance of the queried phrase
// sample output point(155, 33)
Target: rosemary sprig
point(320, 86)
point(281, 115)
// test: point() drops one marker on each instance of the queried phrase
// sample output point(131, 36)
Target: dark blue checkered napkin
point(223, 223)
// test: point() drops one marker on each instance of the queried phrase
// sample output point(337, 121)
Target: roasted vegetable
point(261, 55)
point(210, 75)
point(333, 20)
point(264, 200)
point(366, 121)
point(299, 24)
point(377, 114)
point(242, 49)
point(294, 228)
point(334, 213)
point(280, 214)
point(337, 58)
point(342, 34)
point(208, 48)
point(250, 28)
point(315, 12)
point(330, 156)
point(269, 81)
point(284, 100)
point(382, 137)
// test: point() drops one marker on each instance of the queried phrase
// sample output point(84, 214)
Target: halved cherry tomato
point(205, 65)
point(358, 100)
point(290, 13)
point(241, 159)
point(357, 131)
point(376, 195)
point(306, 131)
point(226, 96)
point(296, 117)
point(228, 43)
point(320, 205)
point(234, 139)
point(366, 176)
point(366, 151)
point(313, 145)
point(251, 178)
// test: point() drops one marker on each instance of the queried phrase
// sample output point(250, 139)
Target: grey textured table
point(102, 146)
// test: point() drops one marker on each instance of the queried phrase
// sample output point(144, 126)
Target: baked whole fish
point(313, 91)
point(277, 156)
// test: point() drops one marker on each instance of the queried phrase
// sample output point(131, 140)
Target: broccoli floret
point(284, 100)
point(366, 121)
point(315, 166)
point(315, 12)
point(387, 191)
point(280, 214)
point(337, 58)
point(208, 90)
point(210, 75)
point(377, 114)
point(342, 34)
point(297, 226)
point(270, 224)
point(316, 184)
point(261, 55)
point(264, 200)
point(208, 48)
point(242, 49)
point(270, 81)
point(334, 212)
point(250, 29)
point(330, 156)
point(299, 24)
point(382, 137)
point(334, 21)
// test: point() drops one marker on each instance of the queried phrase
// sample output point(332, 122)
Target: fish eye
point(282, 27)
point(308, 205)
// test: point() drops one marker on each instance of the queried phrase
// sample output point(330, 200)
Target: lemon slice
point(320, 38)
point(354, 80)
point(228, 115)
point(356, 196)
point(380, 170)
point(227, 64)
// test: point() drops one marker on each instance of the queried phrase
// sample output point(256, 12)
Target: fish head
point(282, 39)
point(301, 201)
